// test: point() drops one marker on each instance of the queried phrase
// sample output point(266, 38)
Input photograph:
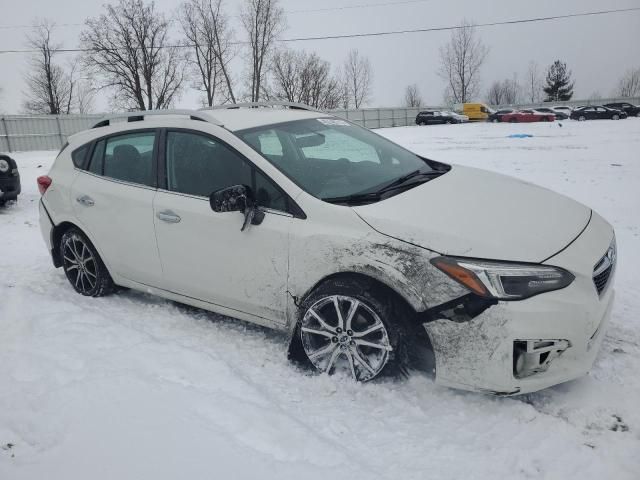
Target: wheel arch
point(367, 281)
point(56, 236)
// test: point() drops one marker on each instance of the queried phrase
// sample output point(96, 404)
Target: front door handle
point(168, 216)
point(85, 200)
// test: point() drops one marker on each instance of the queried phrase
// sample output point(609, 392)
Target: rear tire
point(83, 266)
point(367, 339)
point(615, 117)
point(513, 120)
point(581, 118)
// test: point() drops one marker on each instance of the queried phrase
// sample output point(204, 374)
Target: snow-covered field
point(135, 387)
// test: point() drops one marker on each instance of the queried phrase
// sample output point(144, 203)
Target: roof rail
point(291, 105)
point(140, 115)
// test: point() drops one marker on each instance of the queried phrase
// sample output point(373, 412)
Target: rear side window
point(79, 155)
point(129, 158)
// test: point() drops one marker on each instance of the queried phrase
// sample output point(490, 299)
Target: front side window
point(126, 157)
point(330, 157)
point(200, 165)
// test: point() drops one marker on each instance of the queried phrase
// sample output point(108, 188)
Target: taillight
point(43, 183)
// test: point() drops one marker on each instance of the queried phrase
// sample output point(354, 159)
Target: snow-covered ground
point(135, 387)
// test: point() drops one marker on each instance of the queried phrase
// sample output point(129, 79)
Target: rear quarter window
point(79, 157)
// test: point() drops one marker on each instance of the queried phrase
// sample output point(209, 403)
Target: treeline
point(461, 62)
point(141, 58)
point(132, 52)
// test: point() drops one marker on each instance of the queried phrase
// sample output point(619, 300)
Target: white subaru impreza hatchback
point(360, 249)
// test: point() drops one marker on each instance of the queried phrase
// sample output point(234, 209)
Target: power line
point(456, 27)
point(377, 34)
point(294, 12)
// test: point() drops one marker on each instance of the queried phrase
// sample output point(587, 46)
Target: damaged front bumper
point(515, 347)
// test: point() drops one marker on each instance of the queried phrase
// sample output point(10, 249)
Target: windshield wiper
point(402, 181)
point(356, 198)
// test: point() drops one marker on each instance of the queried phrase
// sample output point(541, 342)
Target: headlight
point(503, 281)
point(4, 166)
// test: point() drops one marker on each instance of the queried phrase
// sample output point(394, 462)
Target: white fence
point(50, 132)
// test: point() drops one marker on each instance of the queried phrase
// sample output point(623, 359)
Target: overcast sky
point(597, 49)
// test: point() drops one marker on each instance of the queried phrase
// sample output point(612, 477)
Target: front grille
point(604, 268)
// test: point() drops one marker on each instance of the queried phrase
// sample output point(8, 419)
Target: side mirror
point(237, 198)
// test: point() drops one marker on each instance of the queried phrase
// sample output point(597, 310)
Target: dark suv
point(629, 109)
point(9, 179)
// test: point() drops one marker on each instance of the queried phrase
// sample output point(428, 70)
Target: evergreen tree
point(559, 85)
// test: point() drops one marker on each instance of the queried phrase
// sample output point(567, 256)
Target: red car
point(527, 116)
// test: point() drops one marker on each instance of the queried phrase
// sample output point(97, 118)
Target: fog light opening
point(534, 356)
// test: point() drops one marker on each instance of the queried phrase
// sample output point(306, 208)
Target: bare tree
point(461, 60)
point(494, 95)
point(286, 75)
point(49, 86)
point(85, 95)
point(358, 78)
point(207, 31)
point(504, 92)
point(128, 47)
point(412, 97)
point(263, 20)
point(629, 85)
point(533, 83)
point(305, 78)
point(511, 90)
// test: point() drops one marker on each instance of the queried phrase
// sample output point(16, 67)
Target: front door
point(204, 254)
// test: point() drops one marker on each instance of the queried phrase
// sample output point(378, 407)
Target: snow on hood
point(476, 213)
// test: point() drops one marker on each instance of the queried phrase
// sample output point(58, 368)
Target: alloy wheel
point(79, 264)
point(343, 333)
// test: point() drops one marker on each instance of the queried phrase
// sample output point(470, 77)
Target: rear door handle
point(168, 216)
point(85, 200)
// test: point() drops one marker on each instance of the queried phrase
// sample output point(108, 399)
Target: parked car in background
point(496, 116)
point(9, 179)
point(597, 113)
point(563, 109)
point(360, 250)
point(476, 111)
point(558, 115)
point(626, 107)
point(528, 116)
point(434, 117)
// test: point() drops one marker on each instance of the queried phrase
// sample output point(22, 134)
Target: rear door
point(204, 254)
point(113, 200)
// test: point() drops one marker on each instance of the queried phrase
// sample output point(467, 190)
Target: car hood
point(476, 213)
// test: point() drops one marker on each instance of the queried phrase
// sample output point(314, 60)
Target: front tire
point(355, 328)
point(615, 117)
point(581, 118)
point(83, 266)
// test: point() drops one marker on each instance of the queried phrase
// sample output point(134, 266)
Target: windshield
point(330, 157)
